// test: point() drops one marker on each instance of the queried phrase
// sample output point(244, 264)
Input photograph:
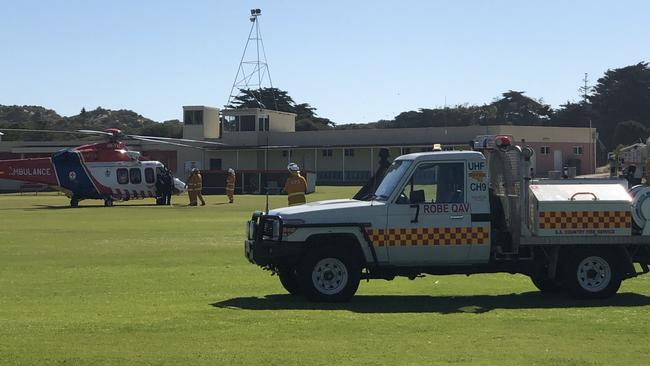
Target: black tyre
point(329, 275)
point(545, 284)
point(289, 279)
point(592, 274)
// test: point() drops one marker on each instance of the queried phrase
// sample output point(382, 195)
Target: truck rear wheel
point(289, 279)
point(329, 275)
point(592, 274)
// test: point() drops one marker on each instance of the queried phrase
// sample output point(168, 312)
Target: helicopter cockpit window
point(122, 176)
point(135, 175)
point(149, 175)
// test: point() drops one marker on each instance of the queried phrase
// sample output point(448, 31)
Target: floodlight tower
point(253, 69)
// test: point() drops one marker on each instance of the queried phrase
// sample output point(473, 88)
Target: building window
point(263, 124)
point(425, 149)
point(136, 175)
point(193, 117)
point(215, 164)
point(286, 153)
point(349, 152)
point(149, 175)
point(122, 176)
point(247, 123)
point(406, 150)
point(327, 152)
point(545, 150)
point(229, 123)
point(577, 150)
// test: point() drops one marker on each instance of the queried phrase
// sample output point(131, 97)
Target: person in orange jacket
point(295, 186)
point(230, 185)
point(194, 187)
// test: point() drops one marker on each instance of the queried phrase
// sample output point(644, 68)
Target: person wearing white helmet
point(230, 185)
point(295, 186)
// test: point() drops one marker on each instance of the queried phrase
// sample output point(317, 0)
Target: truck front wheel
point(592, 274)
point(545, 284)
point(289, 279)
point(329, 275)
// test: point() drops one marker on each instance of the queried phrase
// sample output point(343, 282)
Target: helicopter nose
point(179, 185)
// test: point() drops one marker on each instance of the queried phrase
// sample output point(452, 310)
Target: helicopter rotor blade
point(33, 130)
point(93, 132)
point(177, 139)
point(75, 132)
point(163, 142)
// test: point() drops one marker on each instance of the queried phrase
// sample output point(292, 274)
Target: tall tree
point(279, 100)
point(572, 115)
point(268, 98)
point(630, 132)
point(621, 95)
point(517, 109)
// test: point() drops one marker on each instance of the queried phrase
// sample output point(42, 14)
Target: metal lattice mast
point(253, 69)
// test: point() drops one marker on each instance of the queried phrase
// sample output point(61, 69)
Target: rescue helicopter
point(105, 170)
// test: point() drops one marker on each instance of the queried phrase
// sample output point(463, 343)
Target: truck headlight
point(276, 229)
point(250, 229)
point(270, 228)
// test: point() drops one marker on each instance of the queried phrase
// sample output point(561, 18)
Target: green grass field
point(141, 284)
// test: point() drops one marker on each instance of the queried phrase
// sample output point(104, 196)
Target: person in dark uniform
point(169, 186)
point(160, 187)
point(164, 186)
point(371, 185)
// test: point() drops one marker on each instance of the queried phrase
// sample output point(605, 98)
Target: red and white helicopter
point(105, 170)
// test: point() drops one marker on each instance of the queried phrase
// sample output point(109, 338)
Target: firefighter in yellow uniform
point(296, 186)
point(230, 185)
point(194, 186)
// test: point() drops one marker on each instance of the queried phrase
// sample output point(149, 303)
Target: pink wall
point(544, 163)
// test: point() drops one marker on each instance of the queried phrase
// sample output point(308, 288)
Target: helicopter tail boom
point(36, 170)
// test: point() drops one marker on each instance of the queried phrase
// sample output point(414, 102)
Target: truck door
point(429, 222)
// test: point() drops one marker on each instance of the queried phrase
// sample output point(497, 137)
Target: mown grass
point(141, 284)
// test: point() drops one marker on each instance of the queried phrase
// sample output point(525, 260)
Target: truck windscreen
point(393, 175)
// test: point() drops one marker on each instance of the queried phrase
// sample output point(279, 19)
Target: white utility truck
point(461, 212)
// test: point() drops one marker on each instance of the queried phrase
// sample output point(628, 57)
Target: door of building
point(557, 160)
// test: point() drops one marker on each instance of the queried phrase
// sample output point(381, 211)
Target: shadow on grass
point(62, 207)
point(476, 304)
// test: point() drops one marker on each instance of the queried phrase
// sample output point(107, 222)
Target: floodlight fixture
point(254, 14)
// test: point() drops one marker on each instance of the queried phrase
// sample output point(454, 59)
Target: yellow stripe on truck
point(585, 220)
point(429, 236)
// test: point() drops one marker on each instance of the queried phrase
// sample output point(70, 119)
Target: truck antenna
point(266, 167)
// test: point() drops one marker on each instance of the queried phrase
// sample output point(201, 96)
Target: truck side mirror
point(417, 196)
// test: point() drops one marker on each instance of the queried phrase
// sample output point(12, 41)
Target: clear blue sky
point(356, 61)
